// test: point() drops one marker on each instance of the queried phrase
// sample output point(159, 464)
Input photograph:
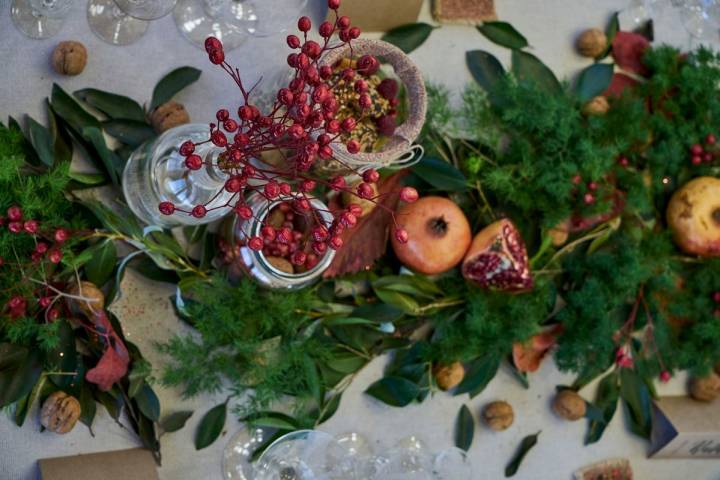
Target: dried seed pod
point(592, 43)
point(498, 415)
point(705, 389)
point(169, 115)
point(569, 405)
point(60, 412)
point(95, 299)
point(449, 376)
point(69, 58)
point(596, 106)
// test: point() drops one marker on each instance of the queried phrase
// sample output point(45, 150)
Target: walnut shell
point(281, 264)
point(69, 58)
point(569, 405)
point(498, 415)
point(559, 233)
point(169, 115)
point(596, 106)
point(366, 205)
point(705, 389)
point(449, 376)
point(88, 290)
point(60, 412)
point(592, 42)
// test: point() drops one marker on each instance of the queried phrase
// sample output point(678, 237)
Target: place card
point(685, 428)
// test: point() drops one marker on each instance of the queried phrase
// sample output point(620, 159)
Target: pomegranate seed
point(15, 227)
point(41, 248)
point(61, 235)
point(319, 247)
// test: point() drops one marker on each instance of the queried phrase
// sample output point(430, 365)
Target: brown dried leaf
point(367, 242)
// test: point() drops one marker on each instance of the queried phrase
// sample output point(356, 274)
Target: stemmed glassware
point(40, 18)
point(701, 19)
point(122, 22)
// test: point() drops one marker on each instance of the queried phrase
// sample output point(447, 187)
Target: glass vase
point(156, 173)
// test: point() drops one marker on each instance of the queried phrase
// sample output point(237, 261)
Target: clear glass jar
point(257, 265)
point(156, 172)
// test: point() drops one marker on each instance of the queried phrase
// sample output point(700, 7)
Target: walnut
point(366, 205)
point(596, 106)
point(498, 415)
point(705, 389)
point(281, 264)
point(449, 376)
point(569, 405)
point(559, 233)
point(95, 298)
point(60, 412)
point(69, 58)
point(169, 115)
point(592, 43)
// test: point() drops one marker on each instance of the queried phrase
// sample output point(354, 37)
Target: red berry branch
point(303, 126)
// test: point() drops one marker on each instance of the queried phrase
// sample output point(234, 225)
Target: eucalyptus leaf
point(172, 83)
point(503, 34)
point(408, 37)
point(129, 132)
point(41, 140)
point(211, 426)
point(528, 68)
point(175, 421)
point(440, 174)
point(113, 105)
point(485, 69)
point(148, 402)
point(593, 80)
point(464, 428)
point(100, 267)
point(481, 371)
point(404, 302)
point(527, 443)
point(395, 391)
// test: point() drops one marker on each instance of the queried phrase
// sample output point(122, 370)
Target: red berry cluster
point(302, 121)
point(48, 244)
point(700, 154)
point(588, 189)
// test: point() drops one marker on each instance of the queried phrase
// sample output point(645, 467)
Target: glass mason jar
point(257, 265)
point(156, 173)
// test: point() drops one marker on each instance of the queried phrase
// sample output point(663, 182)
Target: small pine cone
point(569, 405)
point(449, 376)
point(592, 43)
point(498, 416)
point(596, 106)
point(60, 412)
point(705, 389)
point(169, 115)
point(69, 58)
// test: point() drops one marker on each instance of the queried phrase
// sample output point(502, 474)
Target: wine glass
point(701, 19)
point(39, 18)
point(232, 20)
point(638, 12)
point(121, 22)
point(237, 464)
point(452, 464)
point(408, 460)
point(300, 455)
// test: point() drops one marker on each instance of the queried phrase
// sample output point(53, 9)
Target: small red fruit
point(167, 208)
point(408, 194)
point(199, 211)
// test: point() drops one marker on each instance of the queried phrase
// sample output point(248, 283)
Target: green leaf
point(479, 374)
point(395, 391)
point(593, 80)
point(528, 68)
point(19, 372)
point(503, 34)
point(347, 363)
point(211, 426)
point(408, 37)
point(331, 406)
point(112, 402)
point(113, 105)
point(396, 299)
point(25, 405)
point(312, 379)
point(148, 402)
point(130, 132)
point(71, 111)
point(139, 373)
point(175, 421)
point(464, 428)
point(172, 83)
point(62, 142)
point(527, 443)
point(636, 398)
point(41, 141)
point(101, 265)
point(110, 161)
point(606, 401)
point(274, 422)
point(66, 353)
point(87, 178)
point(440, 174)
point(88, 408)
point(485, 69)
point(611, 30)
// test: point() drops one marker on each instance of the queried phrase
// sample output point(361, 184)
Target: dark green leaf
point(211, 426)
point(175, 421)
point(101, 265)
point(149, 269)
point(25, 405)
point(312, 380)
point(464, 428)
point(647, 30)
point(88, 178)
point(395, 391)
point(88, 408)
point(527, 443)
point(399, 300)
point(611, 30)
point(62, 142)
point(274, 422)
point(593, 413)
point(528, 68)
point(440, 174)
point(330, 407)
point(112, 402)
point(41, 140)
point(408, 37)
point(172, 83)
point(110, 161)
point(148, 402)
point(593, 80)
point(636, 398)
point(111, 104)
point(130, 132)
point(606, 400)
point(479, 374)
point(485, 69)
point(503, 34)
point(347, 363)
point(139, 373)
point(71, 111)
point(379, 312)
point(66, 353)
point(19, 372)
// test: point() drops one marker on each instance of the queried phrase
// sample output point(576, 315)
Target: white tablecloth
point(550, 26)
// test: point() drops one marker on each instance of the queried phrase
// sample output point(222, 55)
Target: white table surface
point(550, 26)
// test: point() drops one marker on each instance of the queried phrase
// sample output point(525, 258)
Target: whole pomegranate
point(693, 215)
point(438, 235)
point(497, 259)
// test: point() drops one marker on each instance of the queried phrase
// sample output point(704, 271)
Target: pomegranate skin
point(693, 216)
point(497, 259)
point(438, 235)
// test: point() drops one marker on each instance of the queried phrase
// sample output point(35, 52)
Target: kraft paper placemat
point(133, 464)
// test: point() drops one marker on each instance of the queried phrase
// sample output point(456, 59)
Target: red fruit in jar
point(693, 216)
point(497, 259)
point(386, 125)
point(438, 235)
point(388, 88)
